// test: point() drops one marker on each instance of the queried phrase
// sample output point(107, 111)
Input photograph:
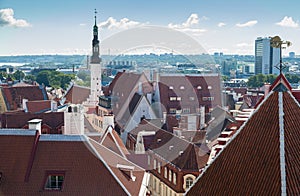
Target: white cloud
point(288, 22)
point(190, 25)
point(124, 23)
point(221, 24)
point(7, 19)
point(82, 24)
point(247, 24)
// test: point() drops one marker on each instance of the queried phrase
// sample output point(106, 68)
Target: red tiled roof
point(14, 95)
point(38, 106)
point(77, 94)
point(181, 153)
point(123, 88)
point(85, 172)
point(112, 141)
point(19, 120)
point(186, 87)
point(113, 160)
point(250, 163)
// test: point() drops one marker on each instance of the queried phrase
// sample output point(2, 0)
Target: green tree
point(43, 78)
point(18, 75)
point(292, 78)
point(30, 77)
point(3, 75)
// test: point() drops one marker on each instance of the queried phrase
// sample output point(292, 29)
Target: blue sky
point(65, 27)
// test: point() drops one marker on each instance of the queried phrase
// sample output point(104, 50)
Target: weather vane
point(276, 42)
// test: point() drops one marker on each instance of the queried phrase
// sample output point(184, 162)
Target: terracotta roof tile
point(250, 163)
point(77, 94)
point(14, 95)
point(84, 171)
point(38, 106)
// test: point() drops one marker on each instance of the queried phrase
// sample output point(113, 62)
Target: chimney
point(35, 124)
point(53, 106)
point(165, 116)
point(140, 90)
point(108, 120)
point(202, 117)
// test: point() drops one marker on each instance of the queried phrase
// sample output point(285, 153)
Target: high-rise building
point(292, 55)
point(266, 57)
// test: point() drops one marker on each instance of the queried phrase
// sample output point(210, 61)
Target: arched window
point(188, 182)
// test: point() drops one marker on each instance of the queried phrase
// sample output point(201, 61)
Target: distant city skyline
point(65, 27)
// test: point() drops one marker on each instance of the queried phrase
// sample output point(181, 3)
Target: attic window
point(181, 87)
point(199, 87)
point(54, 181)
point(127, 171)
point(171, 87)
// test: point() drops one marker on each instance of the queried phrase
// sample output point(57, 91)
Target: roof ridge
point(88, 142)
point(125, 158)
point(231, 139)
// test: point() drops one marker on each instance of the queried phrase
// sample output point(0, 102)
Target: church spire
point(96, 17)
point(95, 43)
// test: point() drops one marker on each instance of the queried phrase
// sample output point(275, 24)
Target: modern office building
point(266, 57)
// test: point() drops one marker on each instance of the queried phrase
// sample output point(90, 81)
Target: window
point(174, 178)
point(188, 182)
point(170, 175)
point(159, 167)
point(154, 163)
point(199, 87)
point(171, 87)
point(209, 87)
point(192, 98)
point(186, 110)
point(178, 98)
point(208, 98)
point(172, 98)
point(166, 172)
point(54, 182)
point(172, 110)
point(181, 87)
point(154, 184)
point(149, 159)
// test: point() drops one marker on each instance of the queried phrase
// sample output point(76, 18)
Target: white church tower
point(74, 120)
point(95, 68)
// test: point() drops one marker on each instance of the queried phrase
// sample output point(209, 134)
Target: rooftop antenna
point(276, 42)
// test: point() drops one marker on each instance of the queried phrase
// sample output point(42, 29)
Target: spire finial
point(276, 42)
point(95, 16)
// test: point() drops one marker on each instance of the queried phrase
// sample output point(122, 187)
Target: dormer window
point(199, 87)
point(127, 171)
point(54, 181)
point(181, 87)
point(171, 87)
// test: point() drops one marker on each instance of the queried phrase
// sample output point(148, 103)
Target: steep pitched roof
point(254, 162)
point(77, 94)
point(191, 89)
point(38, 106)
point(132, 183)
point(14, 95)
point(75, 157)
point(221, 119)
point(112, 140)
point(122, 90)
point(20, 119)
point(179, 152)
